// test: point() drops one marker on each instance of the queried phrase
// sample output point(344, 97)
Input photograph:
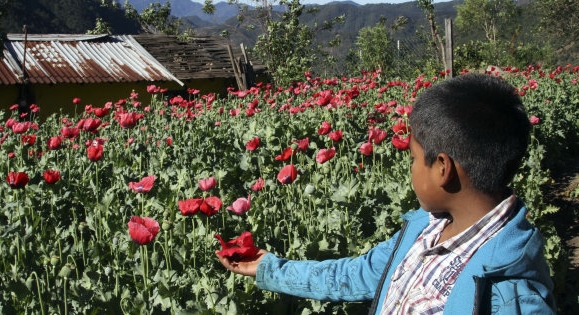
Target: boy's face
point(424, 181)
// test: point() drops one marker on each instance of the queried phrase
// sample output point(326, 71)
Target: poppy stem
point(193, 240)
point(38, 291)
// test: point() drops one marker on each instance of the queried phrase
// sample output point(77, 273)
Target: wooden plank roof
point(199, 58)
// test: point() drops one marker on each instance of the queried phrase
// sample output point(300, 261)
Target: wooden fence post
point(448, 56)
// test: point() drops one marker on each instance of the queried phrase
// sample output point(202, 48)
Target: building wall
point(55, 98)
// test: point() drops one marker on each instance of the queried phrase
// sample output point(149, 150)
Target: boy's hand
point(247, 267)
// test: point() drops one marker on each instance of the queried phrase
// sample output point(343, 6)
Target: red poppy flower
point(325, 155)
point(169, 141)
point(54, 143)
point(285, 155)
point(258, 185)
point(335, 135)
point(95, 151)
point(303, 144)
point(17, 179)
point(252, 144)
point(129, 120)
point(207, 184)
point(190, 206)
point(20, 127)
point(89, 124)
point(325, 128)
point(287, 174)
point(143, 186)
point(239, 248)
point(367, 148)
point(401, 142)
point(70, 132)
point(29, 139)
point(210, 205)
point(51, 176)
point(76, 100)
point(143, 230)
point(400, 128)
point(153, 89)
point(376, 135)
point(101, 111)
point(240, 206)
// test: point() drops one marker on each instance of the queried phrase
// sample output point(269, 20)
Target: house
point(51, 69)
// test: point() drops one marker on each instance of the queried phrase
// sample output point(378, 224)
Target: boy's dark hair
point(480, 122)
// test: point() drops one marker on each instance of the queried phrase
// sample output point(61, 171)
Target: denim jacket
point(507, 275)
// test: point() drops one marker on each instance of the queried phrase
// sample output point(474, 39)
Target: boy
point(469, 249)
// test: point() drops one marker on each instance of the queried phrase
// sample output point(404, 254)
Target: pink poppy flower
point(258, 185)
point(207, 184)
point(367, 148)
point(336, 136)
point(534, 120)
point(144, 185)
point(240, 206)
point(325, 128)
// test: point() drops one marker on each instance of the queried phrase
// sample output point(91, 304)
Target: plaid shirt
point(423, 280)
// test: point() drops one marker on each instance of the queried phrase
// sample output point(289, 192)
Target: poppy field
point(119, 208)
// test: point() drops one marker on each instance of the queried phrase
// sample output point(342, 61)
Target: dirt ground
point(566, 181)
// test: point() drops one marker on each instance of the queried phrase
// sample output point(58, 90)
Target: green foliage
point(285, 46)
point(63, 16)
point(66, 245)
point(101, 27)
point(375, 47)
point(559, 25)
point(155, 19)
point(480, 54)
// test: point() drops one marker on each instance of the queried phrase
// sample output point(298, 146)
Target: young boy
point(469, 249)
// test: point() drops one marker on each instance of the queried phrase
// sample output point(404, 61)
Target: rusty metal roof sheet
point(59, 58)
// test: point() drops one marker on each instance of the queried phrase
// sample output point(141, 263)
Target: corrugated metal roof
point(10, 73)
point(59, 58)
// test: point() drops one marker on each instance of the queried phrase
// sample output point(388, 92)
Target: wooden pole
point(448, 56)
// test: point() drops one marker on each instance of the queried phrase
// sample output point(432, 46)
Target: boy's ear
point(446, 171)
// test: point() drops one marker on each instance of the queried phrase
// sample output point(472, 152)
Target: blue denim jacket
point(507, 275)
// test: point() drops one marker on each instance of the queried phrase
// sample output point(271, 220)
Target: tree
point(437, 43)
point(101, 27)
point(494, 19)
point(155, 19)
point(285, 46)
point(375, 46)
point(560, 20)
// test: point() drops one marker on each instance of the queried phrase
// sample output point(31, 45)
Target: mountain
point(188, 9)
